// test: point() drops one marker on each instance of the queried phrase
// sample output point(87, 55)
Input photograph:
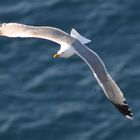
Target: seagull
point(71, 44)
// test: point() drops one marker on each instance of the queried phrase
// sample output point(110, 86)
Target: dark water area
point(42, 98)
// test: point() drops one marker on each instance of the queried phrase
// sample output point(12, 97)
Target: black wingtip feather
point(125, 110)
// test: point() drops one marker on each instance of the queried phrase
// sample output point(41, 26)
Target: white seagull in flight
point(70, 45)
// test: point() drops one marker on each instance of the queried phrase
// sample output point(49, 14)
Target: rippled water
point(58, 99)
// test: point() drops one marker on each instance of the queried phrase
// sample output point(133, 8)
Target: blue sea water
point(42, 98)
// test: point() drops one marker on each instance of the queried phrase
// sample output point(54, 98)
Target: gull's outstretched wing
point(108, 85)
point(44, 32)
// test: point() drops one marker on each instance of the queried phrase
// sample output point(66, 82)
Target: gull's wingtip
point(129, 117)
point(11, 29)
point(1, 24)
point(0, 28)
point(125, 110)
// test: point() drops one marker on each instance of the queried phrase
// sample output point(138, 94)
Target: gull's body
point(70, 45)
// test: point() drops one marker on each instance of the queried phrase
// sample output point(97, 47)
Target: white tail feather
point(76, 35)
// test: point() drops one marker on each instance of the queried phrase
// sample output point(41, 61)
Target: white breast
point(66, 51)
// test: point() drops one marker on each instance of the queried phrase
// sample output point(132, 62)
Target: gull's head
point(65, 51)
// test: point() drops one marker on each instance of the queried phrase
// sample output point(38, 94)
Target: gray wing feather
point(44, 32)
point(112, 91)
point(110, 88)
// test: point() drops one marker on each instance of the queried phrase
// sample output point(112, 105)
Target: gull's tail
point(76, 35)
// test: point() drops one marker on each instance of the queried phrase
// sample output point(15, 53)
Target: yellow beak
point(56, 55)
